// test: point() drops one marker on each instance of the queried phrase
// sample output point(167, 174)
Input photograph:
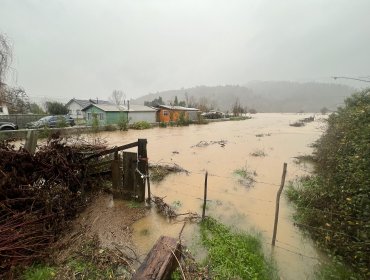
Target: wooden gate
point(128, 169)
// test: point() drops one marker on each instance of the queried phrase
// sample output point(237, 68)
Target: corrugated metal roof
point(84, 103)
point(116, 108)
point(179, 108)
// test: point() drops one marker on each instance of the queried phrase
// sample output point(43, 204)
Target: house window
point(101, 116)
point(165, 113)
point(78, 112)
point(1, 109)
point(89, 116)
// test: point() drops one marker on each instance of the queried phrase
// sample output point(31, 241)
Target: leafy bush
point(334, 205)
point(162, 124)
point(141, 125)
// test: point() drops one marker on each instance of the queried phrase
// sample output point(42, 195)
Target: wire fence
point(291, 248)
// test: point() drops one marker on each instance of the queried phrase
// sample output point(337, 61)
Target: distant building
point(113, 114)
point(168, 113)
point(75, 106)
point(3, 109)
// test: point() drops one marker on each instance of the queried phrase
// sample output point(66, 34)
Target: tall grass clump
point(234, 255)
point(333, 205)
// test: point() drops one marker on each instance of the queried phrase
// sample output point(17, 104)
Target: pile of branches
point(167, 211)
point(39, 193)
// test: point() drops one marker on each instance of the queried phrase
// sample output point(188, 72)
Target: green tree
point(155, 102)
point(56, 108)
point(176, 101)
point(182, 103)
point(36, 109)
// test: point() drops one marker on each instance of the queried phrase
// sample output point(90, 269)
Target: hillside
point(263, 96)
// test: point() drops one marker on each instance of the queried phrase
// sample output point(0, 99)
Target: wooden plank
point(112, 150)
point(116, 172)
point(129, 172)
point(161, 261)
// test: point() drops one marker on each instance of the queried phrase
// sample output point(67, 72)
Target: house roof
point(117, 108)
point(84, 103)
point(179, 108)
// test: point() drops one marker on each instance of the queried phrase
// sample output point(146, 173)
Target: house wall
point(136, 116)
point(102, 116)
point(193, 115)
point(74, 108)
point(115, 117)
point(167, 115)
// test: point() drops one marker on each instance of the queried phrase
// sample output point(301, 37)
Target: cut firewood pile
point(39, 194)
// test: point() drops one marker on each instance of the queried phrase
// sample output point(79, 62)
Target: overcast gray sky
point(88, 48)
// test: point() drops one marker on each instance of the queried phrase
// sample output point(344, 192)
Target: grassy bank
point(333, 205)
point(234, 254)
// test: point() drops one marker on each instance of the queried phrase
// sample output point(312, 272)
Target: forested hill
point(262, 96)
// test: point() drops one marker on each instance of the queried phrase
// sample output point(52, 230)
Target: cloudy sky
point(88, 48)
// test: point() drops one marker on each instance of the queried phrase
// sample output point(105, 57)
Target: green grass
point(90, 270)
point(234, 255)
point(39, 272)
point(336, 271)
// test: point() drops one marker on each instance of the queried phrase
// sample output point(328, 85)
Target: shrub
point(334, 205)
point(141, 125)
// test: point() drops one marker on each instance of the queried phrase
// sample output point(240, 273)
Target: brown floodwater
point(246, 208)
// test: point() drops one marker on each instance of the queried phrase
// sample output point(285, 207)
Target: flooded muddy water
point(246, 208)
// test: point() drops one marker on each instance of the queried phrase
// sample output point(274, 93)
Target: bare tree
point(17, 99)
point(237, 109)
point(118, 97)
point(5, 60)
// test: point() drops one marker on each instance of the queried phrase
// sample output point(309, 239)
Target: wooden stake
point(148, 181)
point(31, 141)
point(277, 204)
point(205, 196)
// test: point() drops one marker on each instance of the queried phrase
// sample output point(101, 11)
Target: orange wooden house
point(168, 113)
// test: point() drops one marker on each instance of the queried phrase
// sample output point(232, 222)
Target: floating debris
point(203, 143)
point(159, 171)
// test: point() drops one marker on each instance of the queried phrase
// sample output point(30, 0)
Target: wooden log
point(161, 261)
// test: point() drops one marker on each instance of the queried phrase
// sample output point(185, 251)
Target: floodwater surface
point(247, 208)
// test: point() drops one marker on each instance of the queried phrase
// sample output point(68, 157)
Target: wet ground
point(261, 144)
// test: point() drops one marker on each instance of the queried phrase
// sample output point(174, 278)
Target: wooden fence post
point(205, 196)
point(148, 181)
point(116, 173)
point(277, 204)
point(141, 166)
point(31, 141)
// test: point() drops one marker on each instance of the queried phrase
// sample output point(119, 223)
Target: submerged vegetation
point(234, 255)
point(246, 176)
point(333, 205)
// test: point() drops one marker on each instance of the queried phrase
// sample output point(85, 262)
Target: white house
point(137, 113)
point(75, 106)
